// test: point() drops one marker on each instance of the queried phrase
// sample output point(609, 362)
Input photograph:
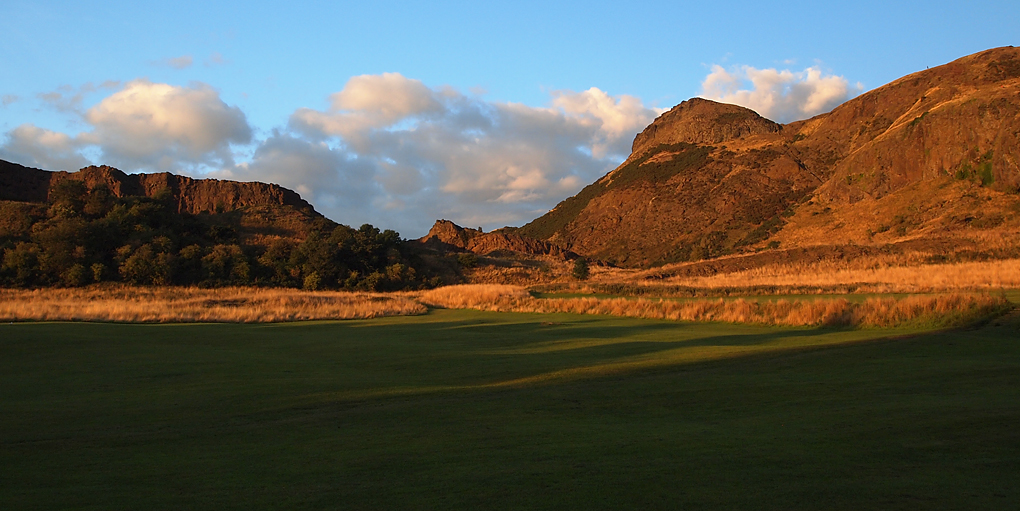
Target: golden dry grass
point(984, 275)
point(181, 304)
point(941, 310)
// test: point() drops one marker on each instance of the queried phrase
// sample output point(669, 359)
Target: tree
point(581, 271)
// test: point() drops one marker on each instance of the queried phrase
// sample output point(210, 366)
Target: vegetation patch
point(980, 172)
point(85, 236)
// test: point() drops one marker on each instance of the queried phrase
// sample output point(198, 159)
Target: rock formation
point(447, 235)
point(259, 211)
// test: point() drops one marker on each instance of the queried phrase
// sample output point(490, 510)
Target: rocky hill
point(260, 212)
point(931, 159)
point(446, 235)
point(100, 225)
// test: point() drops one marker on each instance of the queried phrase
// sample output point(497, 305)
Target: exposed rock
point(702, 121)
point(447, 235)
point(19, 183)
point(259, 211)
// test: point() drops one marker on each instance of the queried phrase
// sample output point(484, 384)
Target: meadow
point(469, 409)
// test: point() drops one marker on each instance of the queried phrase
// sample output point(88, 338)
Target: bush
point(581, 271)
point(468, 260)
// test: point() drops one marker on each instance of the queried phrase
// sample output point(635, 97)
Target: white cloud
point(439, 153)
point(616, 119)
point(8, 99)
point(313, 169)
point(782, 96)
point(388, 150)
point(163, 127)
point(32, 146)
point(370, 101)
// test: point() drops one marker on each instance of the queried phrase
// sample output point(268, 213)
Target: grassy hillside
point(464, 409)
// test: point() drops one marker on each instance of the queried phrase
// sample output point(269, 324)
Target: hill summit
point(928, 162)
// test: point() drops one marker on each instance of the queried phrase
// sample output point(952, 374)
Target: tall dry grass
point(182, 304)
point(936, 310)
point(919, 278)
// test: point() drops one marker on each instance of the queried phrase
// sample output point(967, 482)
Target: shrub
point(581, 271)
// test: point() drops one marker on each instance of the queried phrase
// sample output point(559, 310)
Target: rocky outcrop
point(449, 233)
point(194, 196)
point(258, 212)
point(446, 235)
point(702, 121)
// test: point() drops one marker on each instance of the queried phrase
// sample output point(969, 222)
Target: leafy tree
point(21, 264)
point(581, 271)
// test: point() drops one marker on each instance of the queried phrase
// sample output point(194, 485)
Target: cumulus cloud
point(37, 147)
point(782, 96)
point(439, 153)
point(323, 175)
point(161, 126)
point(8, 99)
point(370, 101)
point(144, 126)
point(387, 150)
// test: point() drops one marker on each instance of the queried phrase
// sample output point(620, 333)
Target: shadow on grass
point(581, 348)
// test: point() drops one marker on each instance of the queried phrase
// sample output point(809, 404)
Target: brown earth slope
point(929, 159)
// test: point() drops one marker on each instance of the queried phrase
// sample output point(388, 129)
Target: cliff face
point(906, 160)
point(259, 211)
point(194, 196)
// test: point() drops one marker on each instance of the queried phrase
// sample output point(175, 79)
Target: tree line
point(85, 236)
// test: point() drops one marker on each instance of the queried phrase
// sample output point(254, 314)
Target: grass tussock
point(935, 310)
point(185, 304)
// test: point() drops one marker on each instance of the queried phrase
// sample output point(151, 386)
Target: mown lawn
point(475, 410)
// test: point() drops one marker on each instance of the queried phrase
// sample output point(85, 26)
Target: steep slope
point(918, 157)
point(678, 197)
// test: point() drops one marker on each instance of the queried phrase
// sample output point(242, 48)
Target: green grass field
point(475, 410)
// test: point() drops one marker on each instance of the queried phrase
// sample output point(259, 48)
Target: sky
point(400, 113)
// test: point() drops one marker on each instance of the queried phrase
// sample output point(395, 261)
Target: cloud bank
point(144, 126)
point(410, 153)
point(782, 96)
point(387, 150)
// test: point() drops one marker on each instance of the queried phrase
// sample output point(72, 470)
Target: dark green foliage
point(916, 120)
point(87, 236)
point(580, 271)
point(468, 260)
point(634, 173)
point(982, 173)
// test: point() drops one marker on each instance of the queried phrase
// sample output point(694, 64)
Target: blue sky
point(398, 113)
